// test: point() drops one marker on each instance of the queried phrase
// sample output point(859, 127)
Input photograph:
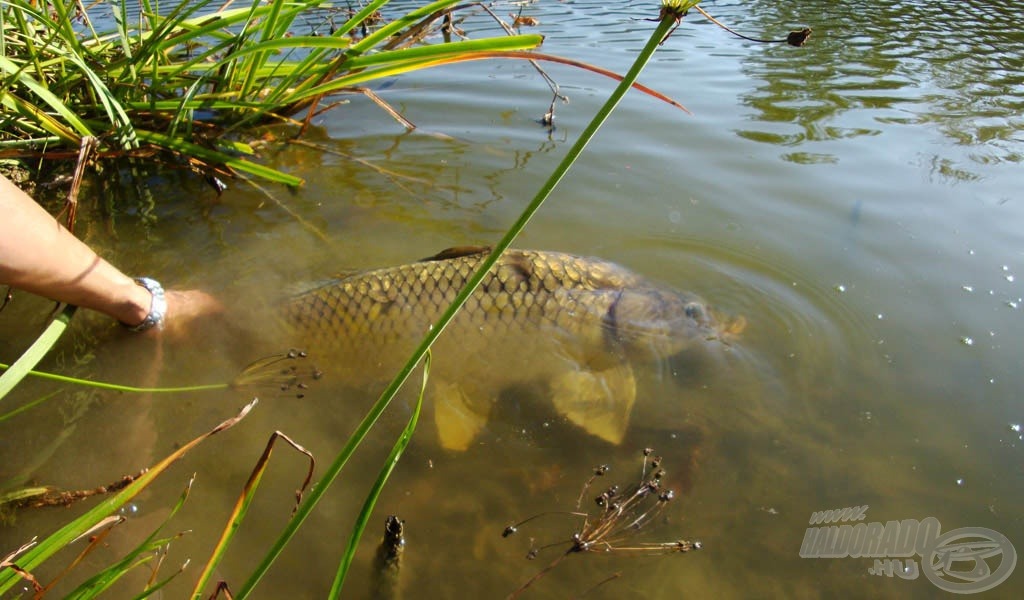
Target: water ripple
point(912, 62)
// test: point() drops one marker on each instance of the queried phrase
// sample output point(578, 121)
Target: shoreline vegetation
point(182, 88)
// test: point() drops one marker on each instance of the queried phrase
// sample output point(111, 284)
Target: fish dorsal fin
point(299, 288)
point(457, 252)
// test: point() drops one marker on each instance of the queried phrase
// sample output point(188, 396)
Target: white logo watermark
point(958, 561)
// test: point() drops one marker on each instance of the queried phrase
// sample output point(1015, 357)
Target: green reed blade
point(100, 582)
point(71, 531)
point(371, 498)
point(16, 73)
point(242, 507)
point(35, 353)
point(399, 24)
point(215, 157)
point(305, 69)
point(268, 28)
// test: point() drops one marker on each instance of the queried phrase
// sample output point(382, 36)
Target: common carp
point(575, 324)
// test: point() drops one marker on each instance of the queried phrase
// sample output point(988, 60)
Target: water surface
point(857, 200)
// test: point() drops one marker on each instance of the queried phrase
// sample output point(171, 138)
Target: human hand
point(183, 308)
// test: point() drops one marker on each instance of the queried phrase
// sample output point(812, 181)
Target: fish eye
point(694, 311)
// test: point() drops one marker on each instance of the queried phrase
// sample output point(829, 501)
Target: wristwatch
point(157, 308)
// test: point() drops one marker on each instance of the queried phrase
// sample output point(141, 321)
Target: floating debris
point(623, 511)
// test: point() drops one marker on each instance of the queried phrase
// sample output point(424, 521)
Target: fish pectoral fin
point(457, 252)
point(458, 419)
point(599, 401)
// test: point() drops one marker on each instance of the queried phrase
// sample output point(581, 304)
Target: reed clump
point(180, 85)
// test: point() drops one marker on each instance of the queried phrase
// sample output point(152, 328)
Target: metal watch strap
point(157, 308)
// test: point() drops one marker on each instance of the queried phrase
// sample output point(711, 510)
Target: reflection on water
point(901, 63)
point(855, 200)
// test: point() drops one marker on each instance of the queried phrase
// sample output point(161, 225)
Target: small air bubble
point(960, 481)
point(1009, 278)
point(967, 288)
point(840, 288)
point(966, 341)
point(1006, 268)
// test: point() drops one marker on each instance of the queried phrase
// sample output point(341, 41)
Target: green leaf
point(71, 531)
point(382, 477)
point(35, 353)
point(8, 67)
point(215, 157)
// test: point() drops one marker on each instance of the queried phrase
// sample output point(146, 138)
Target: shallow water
point(857, 200)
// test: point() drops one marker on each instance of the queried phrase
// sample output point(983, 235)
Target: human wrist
point(147, 307)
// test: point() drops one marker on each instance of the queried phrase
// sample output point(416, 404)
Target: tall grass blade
point(400, 24)
point(371, 498)
point(242, 507)
point(35, 353)
point(16, 73)
point(214, 157)
point(99, 583)
point(71, 531)
point(304, 68)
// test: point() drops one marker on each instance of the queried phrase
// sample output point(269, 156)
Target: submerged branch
point(48, 496)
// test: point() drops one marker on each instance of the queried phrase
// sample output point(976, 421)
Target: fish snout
point(661, 321)
point(725, 327)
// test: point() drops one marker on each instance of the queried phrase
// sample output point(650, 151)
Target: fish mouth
point(724, 327)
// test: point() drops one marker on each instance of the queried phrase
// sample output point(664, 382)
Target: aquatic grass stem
point(666, 20)
point(243, 502)
point(27, 406)
point(378, 486)
point(145, 552)
point(266, 373)
point(103, 385)
point(86, 522)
